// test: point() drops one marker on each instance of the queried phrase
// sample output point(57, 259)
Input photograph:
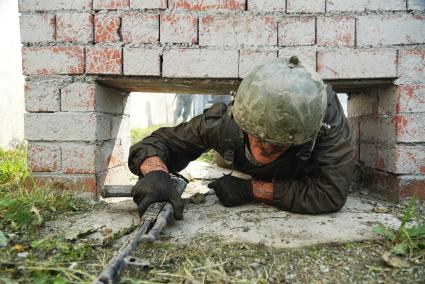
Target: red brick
point(335, 31)
point(104, 60)
point(176, 28)
point(140, 28)
point(411, 64)
point(52, 60)
point(44, 157)
point(107, 27)
point(72, 182)
point(228, 30)
point(202, 5)
point(297, 31)
point(74, 27)
point(111, 4)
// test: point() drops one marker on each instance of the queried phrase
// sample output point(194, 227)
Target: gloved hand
point(232, 191)
point(157, 186)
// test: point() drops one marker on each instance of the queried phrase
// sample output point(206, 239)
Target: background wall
point(11, 79)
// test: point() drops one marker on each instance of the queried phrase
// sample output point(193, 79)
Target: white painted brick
point(410, 127)
point(207, 5)
point(78, 97)
point(297, 31)
point(42, 97)
point(408, 159)
point(127, 104)
point(412, 64)
point(357, 63)
point(110, 4)
point(416, 5)
point(200, 63)
point(399, 159)
point(67, 126)
point(142, 61)
point(335, 31)
point(109, 100)
point(52, 60)
point(362, 5)
point(37, 27)
point(148, 4)
point(410, 98)
point(44, 157)
point(374, 129)
point(139, 27)
point(74, 27)
point(177, 28)
point(306, 6)
point(116, 175)
point(42, 5)
point(234, 31)
point(362, 104)
point(79, 158)
point(380, 29)
point(307, 55)
point(266, 5)
point(249, 59)
point(82, 97)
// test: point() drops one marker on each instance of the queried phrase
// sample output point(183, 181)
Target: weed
point(22, 212)
point(407, 239)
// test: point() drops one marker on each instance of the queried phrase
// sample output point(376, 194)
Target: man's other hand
point(157, 186)
point(232, 191)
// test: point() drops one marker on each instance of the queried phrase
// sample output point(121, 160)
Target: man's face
point(265, 152)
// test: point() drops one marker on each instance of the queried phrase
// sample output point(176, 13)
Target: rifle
point(153, 221)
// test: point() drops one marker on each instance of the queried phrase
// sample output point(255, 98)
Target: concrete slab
point(253, 223)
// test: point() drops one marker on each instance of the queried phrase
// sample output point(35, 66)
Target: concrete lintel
point(218, 86)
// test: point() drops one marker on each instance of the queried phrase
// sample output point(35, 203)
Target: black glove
point(157, 186)
point(232, 191)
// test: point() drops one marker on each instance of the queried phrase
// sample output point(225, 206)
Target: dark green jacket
point(305, 180)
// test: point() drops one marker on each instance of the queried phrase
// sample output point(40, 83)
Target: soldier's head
point(280, 103)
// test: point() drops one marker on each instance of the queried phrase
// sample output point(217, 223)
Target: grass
point(24, 257)
point(407, 239)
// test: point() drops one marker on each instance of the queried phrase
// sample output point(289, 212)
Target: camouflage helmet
point(281, 101)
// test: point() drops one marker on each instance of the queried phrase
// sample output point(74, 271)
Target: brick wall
point(68, 45)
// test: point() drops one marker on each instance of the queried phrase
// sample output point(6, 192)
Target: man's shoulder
point(216, 110)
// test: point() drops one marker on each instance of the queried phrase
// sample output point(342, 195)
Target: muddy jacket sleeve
point(326, 179)
point(179, 145)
